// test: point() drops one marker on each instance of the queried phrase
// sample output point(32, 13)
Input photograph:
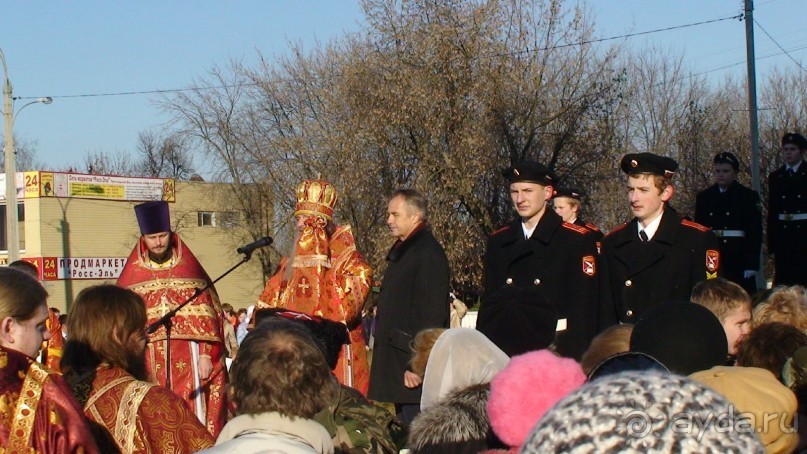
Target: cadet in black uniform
point(566, 203)
point(787, 213)
point(658, 256)
point(732, 211)
point(557, 259)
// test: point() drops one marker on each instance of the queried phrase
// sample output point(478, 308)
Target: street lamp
point(12, 232)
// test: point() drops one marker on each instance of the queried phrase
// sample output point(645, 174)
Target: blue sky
point(64, 49)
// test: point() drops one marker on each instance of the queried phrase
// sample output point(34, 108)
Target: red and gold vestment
point(142, 417)
point(38, 413)
point(328, 278)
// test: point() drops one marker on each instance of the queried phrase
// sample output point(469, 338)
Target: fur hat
point(756, 392)
point(524, 390)
point(685, 337)
point(643, 411)
point(457, 423)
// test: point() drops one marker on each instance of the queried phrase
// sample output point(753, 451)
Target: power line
point(629, 35)
point(777, 45)
point(527, 51)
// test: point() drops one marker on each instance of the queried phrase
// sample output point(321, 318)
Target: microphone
point(262, 242)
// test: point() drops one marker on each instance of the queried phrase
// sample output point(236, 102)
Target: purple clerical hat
point(153, 217)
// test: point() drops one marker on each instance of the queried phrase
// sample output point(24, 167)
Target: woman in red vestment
point(104, 362)
point(37, 411)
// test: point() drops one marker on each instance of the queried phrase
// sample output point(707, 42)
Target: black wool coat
point(787, 239)
point(736, 209)
point(559, 261)
point(414, 296)
point(637, 275)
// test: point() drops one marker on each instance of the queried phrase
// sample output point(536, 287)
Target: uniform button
point(725, 241)
point(509, 281)
point(629, 313)
point(711, 214)
point(537, 282)
point(727, 213)
point(628, 283)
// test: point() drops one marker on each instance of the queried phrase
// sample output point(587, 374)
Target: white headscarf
point(460, 357)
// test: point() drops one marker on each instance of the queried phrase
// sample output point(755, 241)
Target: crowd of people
point(653, 337)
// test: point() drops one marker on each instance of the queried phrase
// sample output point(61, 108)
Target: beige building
point(80, 229)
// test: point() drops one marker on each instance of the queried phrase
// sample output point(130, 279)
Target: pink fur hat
point(524, 390)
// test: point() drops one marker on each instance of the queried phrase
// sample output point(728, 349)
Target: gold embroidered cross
point(164, 305)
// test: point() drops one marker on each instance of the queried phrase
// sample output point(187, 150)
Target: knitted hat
point(524, 390)
point(643, 412)
point(685, 337)
point(757, 393)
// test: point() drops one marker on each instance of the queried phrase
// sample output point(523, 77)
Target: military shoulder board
point(617, 229)
point(576, 228)
point(592, 227)
point(507, 227)
point(694, 225)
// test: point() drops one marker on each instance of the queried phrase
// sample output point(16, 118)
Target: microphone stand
point(166, 321)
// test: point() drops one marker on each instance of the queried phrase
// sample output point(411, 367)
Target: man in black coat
point(732, 211)
point(414, 296)
point(787, 213)
point(558, 260)
point(658, 256)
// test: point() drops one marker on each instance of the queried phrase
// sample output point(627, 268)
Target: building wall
point(90, 228)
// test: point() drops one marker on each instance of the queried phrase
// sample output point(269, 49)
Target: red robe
point(329, 279)
point(196, 329)
point(38, 413)
point(54, 345)
point(142, 417)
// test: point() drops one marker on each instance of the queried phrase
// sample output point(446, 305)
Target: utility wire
point(526, 51)
point(779, 46)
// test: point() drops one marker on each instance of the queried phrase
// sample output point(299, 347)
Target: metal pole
point(752, 115)
point(12, 234)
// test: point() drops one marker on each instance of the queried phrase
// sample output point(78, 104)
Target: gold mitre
point(315, 197)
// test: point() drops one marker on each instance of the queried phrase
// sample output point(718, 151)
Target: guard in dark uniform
point(567, 203)
point(787, 213)
point(733, 213)
point(658, 256)
point(539, 250)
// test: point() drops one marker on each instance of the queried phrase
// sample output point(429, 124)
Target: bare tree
point(106, 163)
point(26, 156)
point(164, 156)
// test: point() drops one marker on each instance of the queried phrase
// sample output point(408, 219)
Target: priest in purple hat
point(163, 271)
